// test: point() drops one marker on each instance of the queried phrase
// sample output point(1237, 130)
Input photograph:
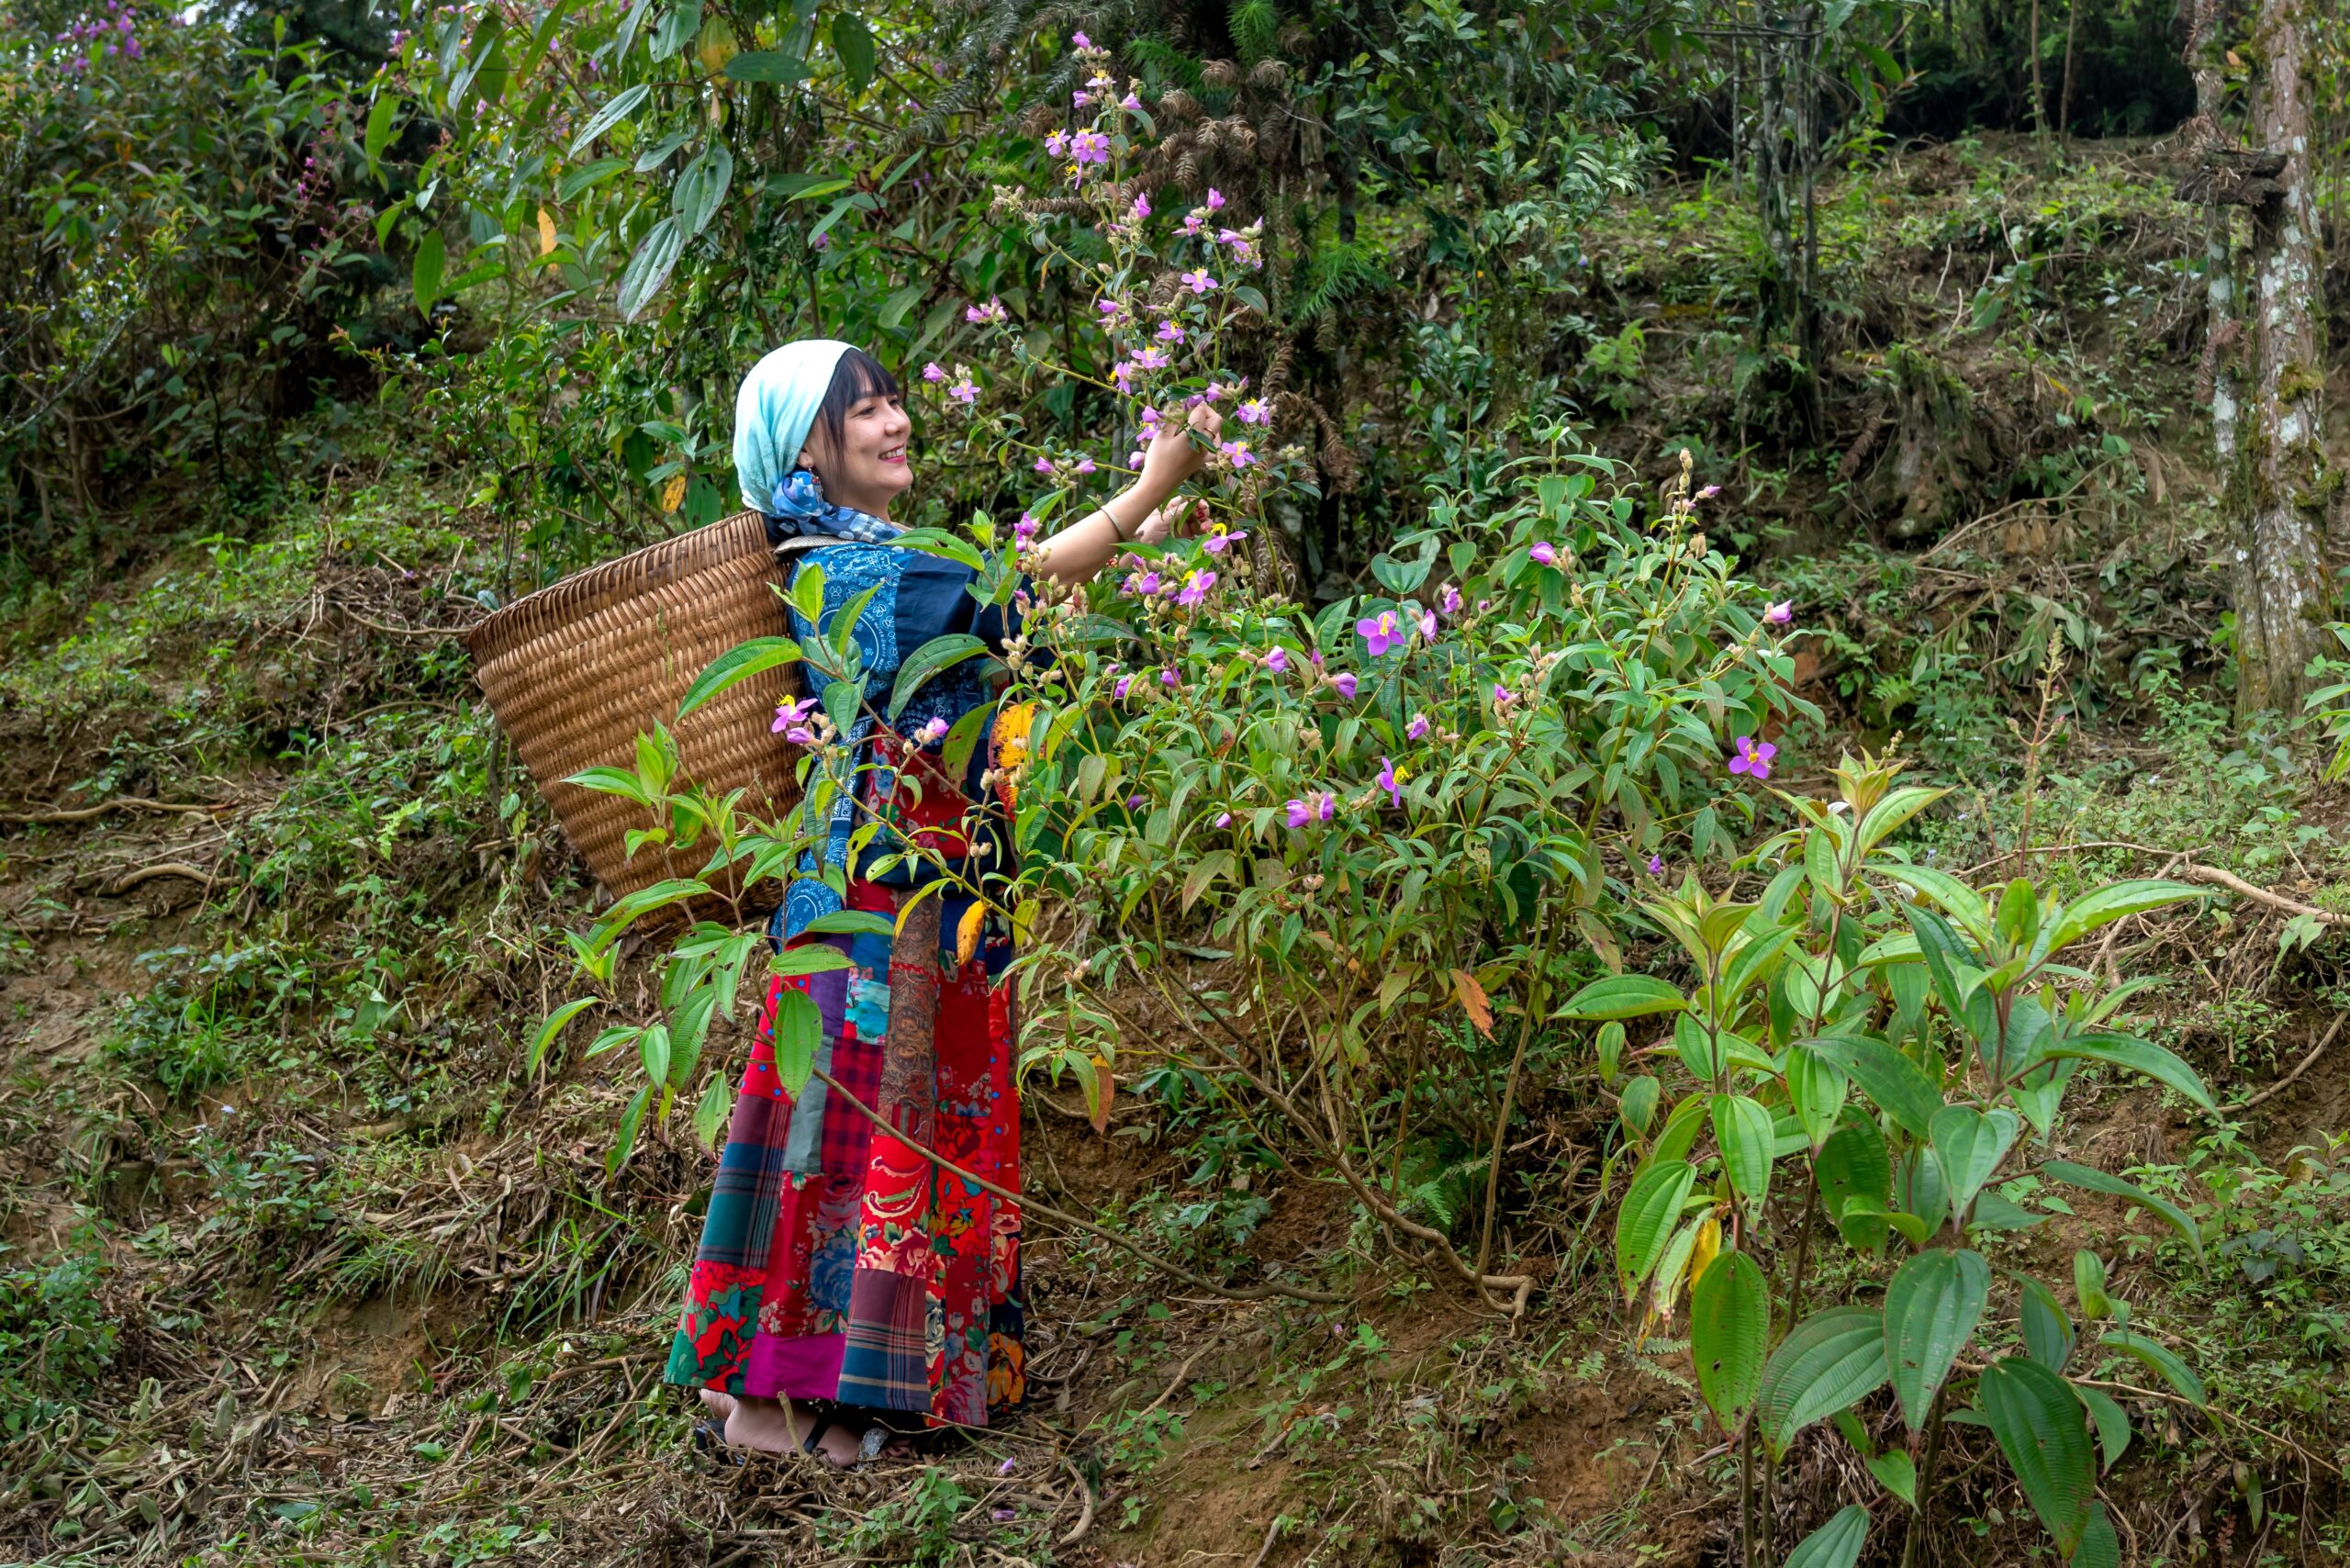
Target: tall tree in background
point(2279, 495)
point(2220, 330)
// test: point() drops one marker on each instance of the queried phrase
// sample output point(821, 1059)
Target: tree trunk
point(2283, 484)
point(2038, 96)
point(2219, 328)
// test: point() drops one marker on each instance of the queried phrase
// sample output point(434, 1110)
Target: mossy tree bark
point(2220, 330)
point(2283, 486)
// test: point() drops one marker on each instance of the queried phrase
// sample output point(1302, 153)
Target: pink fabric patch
point(805, 1367)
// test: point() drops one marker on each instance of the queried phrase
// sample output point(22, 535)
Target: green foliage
point(57, 1335)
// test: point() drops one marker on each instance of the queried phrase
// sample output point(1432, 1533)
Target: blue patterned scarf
point(797, 509)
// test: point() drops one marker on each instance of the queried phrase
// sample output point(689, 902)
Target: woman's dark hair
point(858, 375)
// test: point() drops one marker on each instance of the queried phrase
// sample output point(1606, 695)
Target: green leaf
point(551, 1028)
point(2082, 1176)
point(851, 923)
point(618, 109)
point(1828, 1363)
point(809, 959)
point(2141, 1057)
point(936, 655)
point(660, 895)
point(1213, 863)
point(1730, 1322)
point(612, 781)
point(1623, 996)
point(2047, 1331)
point(631, 1120)
point(1931, 1308)
point(711, 1113)
point(1818, 1087)
point(1897, 1085)
point(798, 1030)
point(425, 272)
point(1897, 1473)
point(2111, 1422)
point(2117, 901)
point(853, 41)
point(768, 67)
point(2101, 1547)
point(653, 1049)
point(1638, 1105)
point(1837, 1543)
point(894, 308)
point(2039, 1426)
point(1851, 1165)
point(1645, 1222)
point(1742, 1130)
point(1961, 902)
point(379, 127)
point(1970, 1144)
point(735, 666)
point(701, 187)
point(588, 176)
point(2177, 1373)
point(650, 267)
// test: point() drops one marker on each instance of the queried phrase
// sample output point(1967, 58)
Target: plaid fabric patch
point(885, 1362)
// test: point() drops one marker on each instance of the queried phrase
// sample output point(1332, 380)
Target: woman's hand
point(1172, 458)
point(1168, 520)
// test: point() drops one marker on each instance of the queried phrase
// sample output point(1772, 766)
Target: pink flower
point(1216, 543)
point(1142, 202)
point(1254, 412)
point(1195, 589)
point(1346, 682)
point(1199, 282)
point(1147, 584)
point(1167, 679)
point(1085, 466)
point(1278, 660)
point(931, 373)
point(1299, 813)
point(1089, 147)
point(1044, 465)
point(1427, 625)
point(1080, 97)
point(1131, 102)
point(992, 311)
point(1386, 780)
point(1709, 492)
point(1080, 40)
point(1779, 614)
point(1451, 602)
point(789, 714)
point(1237, 452)
point(1544, 556)
point(1216, 199)
point(963, 391)
point(1752, 760)
point(1170, 332)
point(1193, 221)
point(1111, 305)
point(1223, 819)
point(1057, 144)
point(1326, 805)
point(1151, 359)
point(1503, 695)
point(932, 733)
point(1656, 864)
point(1026, 527)
point(1382, 631)
point(1118, 694)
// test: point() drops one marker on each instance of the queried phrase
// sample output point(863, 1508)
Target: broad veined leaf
point(701, 187)
point(2101, 1547)
point(1828, 1363)
point(809, 959)
point(770, 67)
point(1818, 1087)
point(2047, 1331)
point(737, 665)
point(1890, 813)
point(2039, 1426)
point(2111, 1422)
point(1623, 996)
point(853, 41)
point(1970, 1143)
point(1851, 1166)
point(2116, 902)
point(2137, 1055)
point(1897, 1473)
point(1213, 863)
point(1899, 1086)
point(938, 653)
point(710, 1111)
point(618, 109)
point(653, 1047)
point(852, 922)
point(1930, 1309)
point(425, 271)
point(2094, 1181)
point(631, 1120)
point(650, 267)
point(379, 127)
point(1742, 1130)
point(1730, 1320)
point(1837, 1543)
point(1957, 900)
point(798, 1030)
point(551, 1028)
point(2176, 1372)
point(1645, 1222)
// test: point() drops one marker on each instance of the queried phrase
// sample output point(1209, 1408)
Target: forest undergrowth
point(301, 1266)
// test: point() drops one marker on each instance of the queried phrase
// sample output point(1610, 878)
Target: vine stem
point(1915, 1545)
point(1536, 990)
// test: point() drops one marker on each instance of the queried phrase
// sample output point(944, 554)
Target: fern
point(1254, 23)
point(1335, 272)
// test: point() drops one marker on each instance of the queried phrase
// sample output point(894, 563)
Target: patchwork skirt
point(837, 1260)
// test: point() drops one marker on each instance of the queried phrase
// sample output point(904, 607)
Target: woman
point(841, 1278)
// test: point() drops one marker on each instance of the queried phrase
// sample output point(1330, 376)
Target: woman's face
point(870, 469)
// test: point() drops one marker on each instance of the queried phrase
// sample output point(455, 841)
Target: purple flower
point(1151, 359)
point(1146, 585)
point(1278, 660)
point(1166, 677)
point(1192, 221)
point(1299, 814)
point(1779, 614)
point(1236, 452)
point(932, 373)
point(1118, 694)
point(1080, 40)
point(1656, 864)
point(1503, 695)
point(1199, 282)
point(932, 733)
point(1223, 819)
point(1709, 492)
point(1080, 97)
point(1026, 527)
point(1451, 602)
point(1005, 1468)
point(820, 242)
point(1326, 805)
point(1195, 589)
point(790, 713)
point(1544, 556)
point(1089, 147)
point(1216, 543)
point(1043, 465)
point(1216, 199)
point(1382, 631)
point(1254, 412)
point(1133, 800)
point(1344, 681)
point(1085, 466)
point(1142, 202)
point(1111, 305)
point(992, 311)
point(1752, 760)
point(1130, 102)
point(1427, 625)
point(1057, 144)
point(1170, 332)
point(1386, 780)
point(963, 391)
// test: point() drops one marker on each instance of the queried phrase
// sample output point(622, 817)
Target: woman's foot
point(770, 1426)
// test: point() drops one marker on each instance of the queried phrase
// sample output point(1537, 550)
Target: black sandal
point(816, 1430)
point(710, 1439)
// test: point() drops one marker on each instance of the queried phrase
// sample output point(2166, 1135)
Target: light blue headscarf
point(775, 412)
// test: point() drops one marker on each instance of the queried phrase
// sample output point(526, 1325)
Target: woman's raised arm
point(1078, 552)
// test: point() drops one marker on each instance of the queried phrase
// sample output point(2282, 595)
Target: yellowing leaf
point(1709, 1247)
point(1472, 1002)
point(967, 931)
point(1105, 1084)
point(546, 232)
point(673, 494)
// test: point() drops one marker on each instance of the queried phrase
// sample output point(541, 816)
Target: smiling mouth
point(894, 454)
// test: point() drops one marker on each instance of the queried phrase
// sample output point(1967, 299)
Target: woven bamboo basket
point(576, 671)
